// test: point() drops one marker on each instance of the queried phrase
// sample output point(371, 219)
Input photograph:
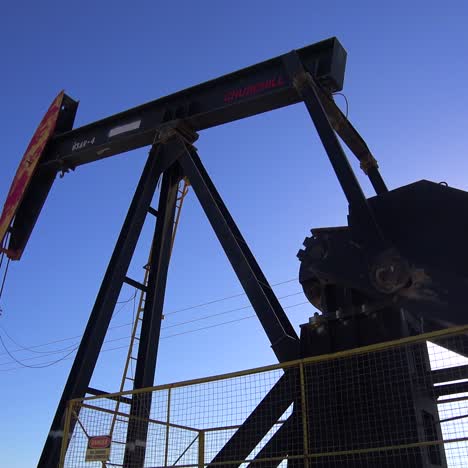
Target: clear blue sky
point(406, 84)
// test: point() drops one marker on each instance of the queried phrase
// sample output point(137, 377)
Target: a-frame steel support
point(101, 315)
point(173, 157)
point(309, 75)
point(279, 330)
point(283, 338)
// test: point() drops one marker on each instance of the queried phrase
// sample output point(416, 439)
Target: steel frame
point(308, 75)
point(253, 90)
point(98, 323)
point(171, 157)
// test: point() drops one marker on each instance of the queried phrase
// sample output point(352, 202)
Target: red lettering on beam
point(253, 89)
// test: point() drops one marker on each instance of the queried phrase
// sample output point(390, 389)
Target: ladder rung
point(130, 378)
point(134, 358)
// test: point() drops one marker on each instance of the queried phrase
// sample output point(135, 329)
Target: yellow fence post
point(166, 455)
point(304, 415)
point(201, 449)
point(66, 430)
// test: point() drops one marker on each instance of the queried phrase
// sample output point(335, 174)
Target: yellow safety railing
point(336, 409)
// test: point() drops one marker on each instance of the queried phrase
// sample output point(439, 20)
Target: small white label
point(124, 128)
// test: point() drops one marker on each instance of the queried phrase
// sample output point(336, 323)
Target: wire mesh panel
point(399, 404)
point(371, 401)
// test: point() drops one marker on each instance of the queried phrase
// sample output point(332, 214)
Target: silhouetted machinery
point(397, 269)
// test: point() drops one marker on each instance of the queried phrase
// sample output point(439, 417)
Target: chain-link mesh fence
point(398, 404)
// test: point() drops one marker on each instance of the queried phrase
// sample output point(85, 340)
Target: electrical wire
point(128, 300)
point(4, 277)
point(25, 348)
point(226, 323)
point(3, 246)
point(48, 364)
point(166, 314)
point(67, 339)
point(74, 346)
point(40, 366)
point(249, 306)
point(224, 298)
point(346, 101)
point(56, 351)
point(2, 256)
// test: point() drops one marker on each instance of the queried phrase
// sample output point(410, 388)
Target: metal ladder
point(136, 328)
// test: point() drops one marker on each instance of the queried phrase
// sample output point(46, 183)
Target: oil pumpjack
point(398, 268)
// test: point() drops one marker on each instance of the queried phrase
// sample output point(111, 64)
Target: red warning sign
point(98, 448)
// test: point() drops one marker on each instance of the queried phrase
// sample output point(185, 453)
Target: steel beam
point(353, 140)
point(281, 444)
point(260, 421)
point(120, 398)
point(450, 389)
point(260, 88)
point(253, 90)
point(449, 374)
point(283, 338)
point(359, 206)
point(98, 323)
point(152, 316)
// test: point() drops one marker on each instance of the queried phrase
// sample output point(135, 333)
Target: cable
point(4, 277)
point(166, 314)
point(74, 345)
point(55, 351)
point(225, 323)
point(128, 300)
point(66, 348)
point(68, 339)
point(346, 101)
point(224, 298)
point(24, 348)
point(164, 337)
point(249, 306)
point(131, 323)
point(40, 366)
point(3, 247)
point(2, 256)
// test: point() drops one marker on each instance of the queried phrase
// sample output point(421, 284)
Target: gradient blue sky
point(406, 84)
